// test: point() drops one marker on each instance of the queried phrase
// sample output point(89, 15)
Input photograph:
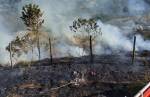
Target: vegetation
point(86, 31)
point(16, 48)
point(32, 18)
point(26, 45)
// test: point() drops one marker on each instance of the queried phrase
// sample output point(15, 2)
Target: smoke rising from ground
point(59, 15)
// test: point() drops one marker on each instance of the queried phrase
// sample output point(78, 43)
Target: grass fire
point(74, 48)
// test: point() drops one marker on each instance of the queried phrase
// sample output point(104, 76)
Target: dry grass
point(31, 85)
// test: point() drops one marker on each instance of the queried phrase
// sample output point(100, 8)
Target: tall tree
point(86, 32)
point(32, 18)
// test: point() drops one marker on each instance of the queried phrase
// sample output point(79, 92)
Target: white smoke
point(59, 15)
point(142, 44)
point(114, 37)
point(5, 38)
point(137, 7)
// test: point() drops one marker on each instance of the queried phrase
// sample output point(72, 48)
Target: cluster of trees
point(86, 32)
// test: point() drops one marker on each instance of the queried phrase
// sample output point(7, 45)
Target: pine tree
point(32, 18)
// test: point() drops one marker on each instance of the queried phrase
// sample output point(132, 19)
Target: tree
point(25, 44)
point(32, 18)
point(86, 32)
point(15, 48)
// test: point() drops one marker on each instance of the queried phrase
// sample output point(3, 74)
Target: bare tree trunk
point(133, 53)
point(50, 51)
point(32, 53)
point(91, 50)
point(39, 49)
point(38, 45)
point(32, 57)
point(11, 62)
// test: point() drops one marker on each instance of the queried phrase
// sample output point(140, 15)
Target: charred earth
point(109, 76)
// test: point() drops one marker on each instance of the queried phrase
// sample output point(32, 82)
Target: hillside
point(109, 76)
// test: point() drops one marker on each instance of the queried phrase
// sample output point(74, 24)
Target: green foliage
point(84, 28)
point(87, 25)
point(31, 15)
point(17, 46)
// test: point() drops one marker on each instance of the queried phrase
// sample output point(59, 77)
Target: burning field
point(74, 48)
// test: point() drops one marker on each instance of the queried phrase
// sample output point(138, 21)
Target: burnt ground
point(108, 76)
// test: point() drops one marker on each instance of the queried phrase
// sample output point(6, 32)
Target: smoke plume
point(59, 15)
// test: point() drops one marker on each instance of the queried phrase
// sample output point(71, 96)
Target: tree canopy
point(84, 28)
point(31, 16)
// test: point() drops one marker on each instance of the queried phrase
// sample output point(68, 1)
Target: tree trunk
point(91, 50)
point(38, 45)
point(32, 53)
point(10, 47)
point(50, 51)
point(32, 56)
point(133, 53)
